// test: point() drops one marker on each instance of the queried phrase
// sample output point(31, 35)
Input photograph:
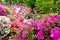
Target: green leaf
point(8, 11)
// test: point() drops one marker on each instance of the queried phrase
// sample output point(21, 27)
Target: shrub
point(43, 6)
point(29, 2)
point(58, 5)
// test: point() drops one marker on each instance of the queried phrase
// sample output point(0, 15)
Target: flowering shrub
point(48, 26)
point(26, 27)
point(42, 29)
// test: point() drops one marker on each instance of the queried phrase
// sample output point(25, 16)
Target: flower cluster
point(2, 11)
point(55, 33)
point(4, 25)
point(17, 24)
point(25, 27)
point(41, 29)
point(46, 28)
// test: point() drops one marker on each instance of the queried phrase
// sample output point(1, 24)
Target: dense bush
point(58, 5)
point(13, 1)
point(29, 2)
point(43, 6)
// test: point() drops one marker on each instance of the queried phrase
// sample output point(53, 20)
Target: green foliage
point(48, 6)
point(13, 1)
point(8, 11)
point(58, 6)
point(31, 15)
point(43, 6)
point(0, 0)
point(29, 2)
point(58, 24)
point(32, 35)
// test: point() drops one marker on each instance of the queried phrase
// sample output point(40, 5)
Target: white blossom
point(4, 25)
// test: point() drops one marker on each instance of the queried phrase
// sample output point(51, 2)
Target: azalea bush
point(13, 1)
point(24, 25)
point(28, 29)
point(41, 29)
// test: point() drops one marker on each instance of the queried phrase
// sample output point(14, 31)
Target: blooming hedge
point(28, 26)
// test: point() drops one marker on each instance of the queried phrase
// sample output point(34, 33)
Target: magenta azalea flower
point(24, 33)
point(58, 17)
point(16, 37)
point(48, 24)
point(21, 38)
point(49, 19)
point(40, 35)
point(28, 25)
point(40, 25)
point(55, 33)
point(2, 11)
point(34, 23)
point(55, 20)
point(45, 19)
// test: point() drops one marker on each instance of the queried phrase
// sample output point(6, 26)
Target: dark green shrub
point(13, 1)
point(58, 5)
point(29, 2)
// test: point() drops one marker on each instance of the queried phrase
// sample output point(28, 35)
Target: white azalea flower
point(4, 26)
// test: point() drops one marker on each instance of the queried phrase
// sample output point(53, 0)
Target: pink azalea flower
point(21, 18)
point(21, 5)
point(40, 35)
point(16, 15)
point(28, 25)
point(16, 23)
